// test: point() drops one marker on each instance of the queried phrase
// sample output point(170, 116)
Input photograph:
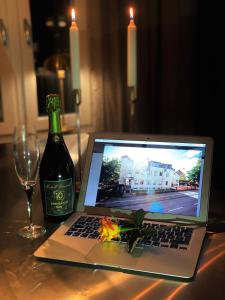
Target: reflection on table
point(23, 277)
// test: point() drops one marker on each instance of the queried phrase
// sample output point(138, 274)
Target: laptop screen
point(158, 177)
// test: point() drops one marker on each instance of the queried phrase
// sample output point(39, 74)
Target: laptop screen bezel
point(206, 180)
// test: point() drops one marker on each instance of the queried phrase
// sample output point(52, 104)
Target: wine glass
point(27, 158)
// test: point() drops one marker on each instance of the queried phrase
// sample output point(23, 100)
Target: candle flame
point(131, 13)
point(73, 15)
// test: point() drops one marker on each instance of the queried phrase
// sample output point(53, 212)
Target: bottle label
point(59, 197)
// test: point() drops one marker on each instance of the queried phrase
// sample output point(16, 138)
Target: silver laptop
point(166, 176)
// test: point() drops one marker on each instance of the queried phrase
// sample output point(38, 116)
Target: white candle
point(131, 52)
point(74, 53)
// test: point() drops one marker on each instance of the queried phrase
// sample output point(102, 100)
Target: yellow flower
point(108, 229)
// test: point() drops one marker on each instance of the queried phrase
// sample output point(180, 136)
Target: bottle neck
point(54, 122)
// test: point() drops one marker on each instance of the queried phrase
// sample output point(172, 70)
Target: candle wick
point(74, 23)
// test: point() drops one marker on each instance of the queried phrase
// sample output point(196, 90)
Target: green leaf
point(139, 217)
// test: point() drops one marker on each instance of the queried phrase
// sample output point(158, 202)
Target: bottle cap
point(53, 102)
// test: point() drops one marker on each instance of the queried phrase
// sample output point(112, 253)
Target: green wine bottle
point(57, 173)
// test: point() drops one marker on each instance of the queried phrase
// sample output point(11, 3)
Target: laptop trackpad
point(113, 254)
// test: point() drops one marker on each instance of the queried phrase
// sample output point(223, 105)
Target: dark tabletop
point(23, 277)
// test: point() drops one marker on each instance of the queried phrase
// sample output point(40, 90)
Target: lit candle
point(74, 53)
point(131, 52)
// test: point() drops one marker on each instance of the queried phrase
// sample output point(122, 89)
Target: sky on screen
point(183, 160)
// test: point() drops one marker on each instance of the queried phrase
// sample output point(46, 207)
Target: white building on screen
point(153, 176)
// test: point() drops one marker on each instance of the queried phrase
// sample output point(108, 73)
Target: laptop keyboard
point(163, 235)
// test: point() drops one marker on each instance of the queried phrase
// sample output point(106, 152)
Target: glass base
point(32, 232)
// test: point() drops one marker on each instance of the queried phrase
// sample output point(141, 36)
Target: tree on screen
point(110, 172)
point(194, 174)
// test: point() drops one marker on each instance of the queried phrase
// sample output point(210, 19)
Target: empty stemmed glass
point(27, 158)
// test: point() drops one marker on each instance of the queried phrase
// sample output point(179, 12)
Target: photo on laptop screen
point(158, 177)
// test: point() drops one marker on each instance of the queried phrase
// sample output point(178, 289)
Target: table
point(23, 277)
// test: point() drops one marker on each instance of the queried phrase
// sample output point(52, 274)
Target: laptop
point(166, 176)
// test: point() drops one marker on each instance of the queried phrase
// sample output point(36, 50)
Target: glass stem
point(29, 192)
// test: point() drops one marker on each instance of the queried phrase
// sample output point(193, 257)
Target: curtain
point(106, 68)
point(165, 50)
